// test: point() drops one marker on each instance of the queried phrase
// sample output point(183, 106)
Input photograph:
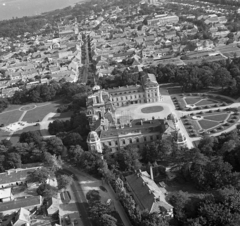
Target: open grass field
point(40, 112)
point(206, 124)
point(10, 117)
point(152, 109)
point(206, 102)
point(217, 118)
point(192, 100)
point(62, 116)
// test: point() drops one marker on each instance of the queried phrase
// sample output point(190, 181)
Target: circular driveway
point(153, 109)
point(135, 111)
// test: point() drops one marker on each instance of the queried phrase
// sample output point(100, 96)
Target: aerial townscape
point(121, 113)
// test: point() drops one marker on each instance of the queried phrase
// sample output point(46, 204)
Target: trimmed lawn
point(206, 124)
point(10, 117)
point(40, 112)
point(192, 100)
point(152, 109)
point(217, 118)
point(206, 102)
point(63, 116)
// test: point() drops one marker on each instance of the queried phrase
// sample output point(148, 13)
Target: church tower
point(94, 143)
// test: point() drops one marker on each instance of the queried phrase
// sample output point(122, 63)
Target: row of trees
point(44, 92)
point(223, 2)
point(224, 74)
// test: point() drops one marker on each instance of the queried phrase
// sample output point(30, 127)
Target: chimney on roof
point(141, 122)
point(151, 172)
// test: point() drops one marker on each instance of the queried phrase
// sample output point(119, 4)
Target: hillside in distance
point(20, 8)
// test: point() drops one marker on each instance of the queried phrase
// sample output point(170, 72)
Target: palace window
point(109, 143)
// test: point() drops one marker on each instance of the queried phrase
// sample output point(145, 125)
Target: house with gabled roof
point(148, 195)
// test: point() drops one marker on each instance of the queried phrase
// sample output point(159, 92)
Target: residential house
point(6, 195)
point(170, 34)
point(15, 177)
point(29, 203)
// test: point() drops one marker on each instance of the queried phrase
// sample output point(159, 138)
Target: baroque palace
point(116, 132)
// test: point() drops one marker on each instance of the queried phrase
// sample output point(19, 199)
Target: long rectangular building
point(161, 21)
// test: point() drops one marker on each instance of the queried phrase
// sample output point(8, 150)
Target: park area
point(27, 114)
point(198, 101)
point(210, 122)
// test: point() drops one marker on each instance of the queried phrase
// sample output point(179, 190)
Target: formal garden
point(199, 101)
point(210, 122)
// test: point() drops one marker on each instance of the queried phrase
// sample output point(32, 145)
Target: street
point(79, 186)
point(80, 202)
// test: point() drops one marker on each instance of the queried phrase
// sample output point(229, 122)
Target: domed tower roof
point(172, 117)
point(92, 137)
point(96, 88)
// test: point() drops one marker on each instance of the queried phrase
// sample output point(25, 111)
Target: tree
point(38, 176)
point(97, 209)
point(107, 220)
point(12, 160)
point(64, 181)
point(222, 77)
point(58, 126)
point(179, 201)
point(51, 162)
point(93, 196)
point(153, 219)
point(150, 153)
point(30, 136)
point(75, 153)
point(47, 191)
point(3, 104)
point(128, 159)
point(72, 139)
point(53, 145)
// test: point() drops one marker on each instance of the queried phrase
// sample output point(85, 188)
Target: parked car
point(65, 197)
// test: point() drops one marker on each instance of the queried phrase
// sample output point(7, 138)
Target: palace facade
point(119, 132)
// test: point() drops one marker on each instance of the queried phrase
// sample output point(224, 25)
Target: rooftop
point(136, 127)
point(20, 203)
point(146, 192)
point(15, 175)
